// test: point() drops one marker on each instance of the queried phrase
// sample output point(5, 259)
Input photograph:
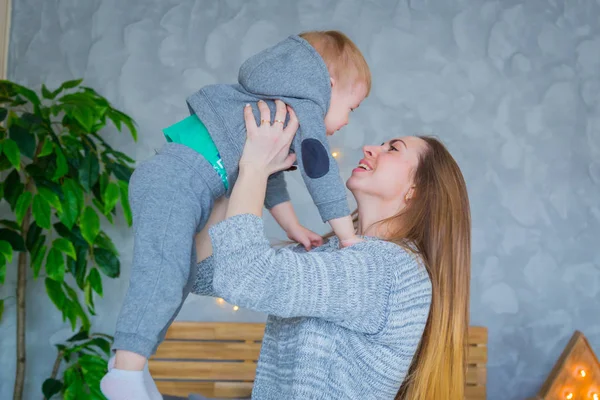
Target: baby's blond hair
point(344, 60)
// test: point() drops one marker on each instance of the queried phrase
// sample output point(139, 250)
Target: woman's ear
point(409, 194)
point(332, 81)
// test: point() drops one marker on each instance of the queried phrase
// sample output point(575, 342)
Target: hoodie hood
point(292, 68)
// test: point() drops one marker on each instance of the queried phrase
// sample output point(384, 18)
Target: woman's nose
point(370, 151)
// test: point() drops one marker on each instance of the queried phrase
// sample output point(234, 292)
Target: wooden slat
point(476, 376)
point(190, 350)
point(478, 335)
point(475, 393)
point(477, 355)
point(207, 389)
point(215, 331)
point(216, 371)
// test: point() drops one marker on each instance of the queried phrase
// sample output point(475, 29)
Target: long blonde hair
point(436, 224)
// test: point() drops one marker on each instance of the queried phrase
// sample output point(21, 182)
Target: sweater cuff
point(135, 343)
point(334, 209)
point(203, 285)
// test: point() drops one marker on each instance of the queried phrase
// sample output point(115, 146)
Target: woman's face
point(386, 171)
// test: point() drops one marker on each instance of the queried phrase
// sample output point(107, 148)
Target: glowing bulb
point(595, 396)
point(569, 396)
point(582, 373)
point(335, 154)
point(235, 308)
point(220, 301)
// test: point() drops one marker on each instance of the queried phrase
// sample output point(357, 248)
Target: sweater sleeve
point(277, 192)
point(349, 286)
point(203, 285)
point(319, 169)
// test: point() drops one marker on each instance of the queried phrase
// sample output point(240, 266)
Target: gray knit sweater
point(343, 324)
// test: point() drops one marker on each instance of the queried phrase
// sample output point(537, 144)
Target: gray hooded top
point(294, 72)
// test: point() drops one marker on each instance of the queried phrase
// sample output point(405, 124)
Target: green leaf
point(65, 246)
point(124, 188)
point(27, 93)
point(71, 84)
point(95, 281)
point(102, 344)
point(10, 224)
point(104, 242)
point(61, 165)
point(13, 188)
point(71, 204)
point(3, 113)
point(24, 139)
point(89, 298)
point(90, 224)
point(55, 265)
point(41, 212)
point(34, 237)
point(6, 250)
point(81, 335)
point(1, 308)
point(75, 391)
point(54, 290)
point(121, 172)
point(50, 387)
point(50, 197)
point(126, 120)
point(2, 269)
point(47, 148)
point(78, 268)
point(107, 262)
point(23, 206)
point(73, 234)
point(89, 171)
point(38, 260)
point(111, 197)
point(12, 237)
point(46, 93)
point(11, 150)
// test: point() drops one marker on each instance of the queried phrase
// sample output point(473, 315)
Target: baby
point(323, 77)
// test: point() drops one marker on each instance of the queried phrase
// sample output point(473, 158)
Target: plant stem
point(21, 309)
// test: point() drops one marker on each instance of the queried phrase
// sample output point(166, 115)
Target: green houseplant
point(59, 177)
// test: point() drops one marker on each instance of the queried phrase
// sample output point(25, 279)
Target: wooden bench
point(218, 359)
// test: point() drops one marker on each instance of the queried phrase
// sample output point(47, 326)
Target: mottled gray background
point(512, 87)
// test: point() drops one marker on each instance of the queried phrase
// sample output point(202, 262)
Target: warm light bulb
point(582, 373)
point(595, 396)
point(235, 308)
point(220, 301)
point(335, 154)
point(569, 396)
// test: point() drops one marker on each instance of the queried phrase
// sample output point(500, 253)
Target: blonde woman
point(384, 318)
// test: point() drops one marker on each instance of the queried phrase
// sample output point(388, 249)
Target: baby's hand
point(304, 236)
point(350, 241)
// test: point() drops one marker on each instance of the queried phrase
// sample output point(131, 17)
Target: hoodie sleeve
point(277, 192)
point(319, 169)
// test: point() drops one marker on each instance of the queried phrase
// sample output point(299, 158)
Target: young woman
point(384, 318)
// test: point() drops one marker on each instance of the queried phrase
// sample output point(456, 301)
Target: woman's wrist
point(253, 172)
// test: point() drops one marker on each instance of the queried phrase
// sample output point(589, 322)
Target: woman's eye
point(392, 148)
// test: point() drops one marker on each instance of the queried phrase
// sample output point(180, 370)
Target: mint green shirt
point(192, 133)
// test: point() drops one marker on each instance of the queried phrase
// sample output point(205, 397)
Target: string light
point(569, 396)
point(220, 301)
point(595, 396)
point(335, 154)
point(582, 373)
point(235, 308)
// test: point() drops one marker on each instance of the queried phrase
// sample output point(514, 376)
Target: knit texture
point(343, 324)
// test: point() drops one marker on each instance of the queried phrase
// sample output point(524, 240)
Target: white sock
point(149, 383)
point(119, 384)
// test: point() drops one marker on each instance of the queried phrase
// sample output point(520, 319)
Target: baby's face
point(343, 101)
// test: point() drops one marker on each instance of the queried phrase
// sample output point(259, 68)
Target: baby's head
point(349, 73)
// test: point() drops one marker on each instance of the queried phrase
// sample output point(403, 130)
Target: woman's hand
point(267, 146)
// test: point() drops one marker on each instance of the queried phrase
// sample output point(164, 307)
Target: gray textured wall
point(512, 87)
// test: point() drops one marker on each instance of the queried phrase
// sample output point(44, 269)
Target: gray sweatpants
point(171, 197)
